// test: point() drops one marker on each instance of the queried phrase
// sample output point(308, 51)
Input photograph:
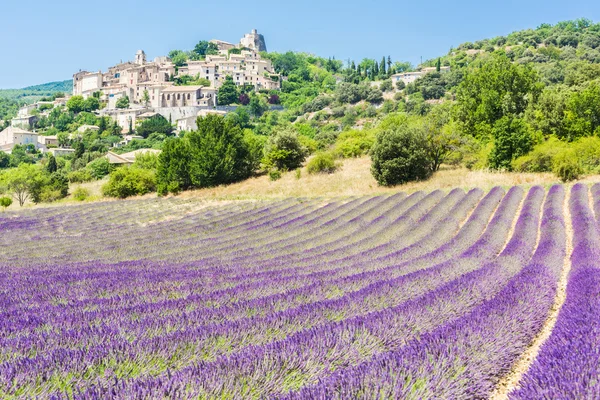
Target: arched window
point(188, 96)
point(168, 97)
point(178, 97)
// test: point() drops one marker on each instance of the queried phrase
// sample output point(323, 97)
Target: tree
point(400, 155)
point(173, 173)
point(76, 104)
point(382, 71)
point(204, 48)
point(438, 65)
point(244, 99)
point(228, 92)
point(79, 149)
point(4, 160)
point(284, 151)
point(22, 181)
point(51, 166)
point(258, 105)
point(215, 154)
point(123, 102)
point(443, 138)
point(178, 57)
point(146, 98)
point(91, 104)
point(496, 89)
point(512, 139)
point(155, 124)
point(400, 85)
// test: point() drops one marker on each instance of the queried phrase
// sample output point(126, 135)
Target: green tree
point(228, 92)
point(23, 181)
point(155, 124)
point(382, 71)
point(51, 166)
point(91, 104)
point(76, 104)
point(178, 57)
point(400, 155)
point(4, 160)
point(512, 139)
point(146, 98)
point(173, 172)
point(258, 105)
point(215, 154)
point(123, 102)
point(284, 151)
point(496, 89)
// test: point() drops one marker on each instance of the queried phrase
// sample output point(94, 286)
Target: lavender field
point(413, 296)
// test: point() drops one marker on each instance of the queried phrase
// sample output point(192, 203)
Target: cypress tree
point(438, 65)
point(375, 71)
point(382, 67)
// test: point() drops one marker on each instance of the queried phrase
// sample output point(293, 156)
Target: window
point(168, 97)
point(178, 97)
point(188, 96)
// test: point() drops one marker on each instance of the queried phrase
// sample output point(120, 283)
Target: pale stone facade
point(12, 136)
point(409, 77)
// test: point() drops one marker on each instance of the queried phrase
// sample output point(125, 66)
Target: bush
point(566, 167)
point(399, 155)
point(81, 194)
point(80, 176)
point(99, 168)
point(274, 175)
point(354, 143)
point(5, 202)
point(540, 159)
point(284, 151)
point(400, 85)
point(130, 181)
point(322, 163)
point(387, 85)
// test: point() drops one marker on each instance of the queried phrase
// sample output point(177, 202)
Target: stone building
point(253, 41)
point(12, 136)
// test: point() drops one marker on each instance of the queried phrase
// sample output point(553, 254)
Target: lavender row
point(568, 365)
point(467, 357)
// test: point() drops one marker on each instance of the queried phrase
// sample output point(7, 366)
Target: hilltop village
point(134, 90)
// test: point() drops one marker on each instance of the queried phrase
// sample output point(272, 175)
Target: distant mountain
point(32, 93)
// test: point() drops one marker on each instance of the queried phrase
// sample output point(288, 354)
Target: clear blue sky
point(45, 41)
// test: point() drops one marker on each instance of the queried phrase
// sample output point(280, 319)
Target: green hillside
point(32, 93)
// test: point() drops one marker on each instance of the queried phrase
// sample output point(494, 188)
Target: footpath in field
point(427, 295)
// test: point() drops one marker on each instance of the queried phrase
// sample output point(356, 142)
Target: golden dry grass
point(355, 179)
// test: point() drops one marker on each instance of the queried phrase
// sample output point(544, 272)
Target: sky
point(44, 41)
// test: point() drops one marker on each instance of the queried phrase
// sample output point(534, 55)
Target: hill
point(32, 93)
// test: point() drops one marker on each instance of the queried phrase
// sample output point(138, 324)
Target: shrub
point(130, 181)
point(387, 85)
point(567, 169)
point(323, 163)
point(540, 159)
point(399, 155)
point(274, 175)
point(400, 85)
point(5, 202)
point(81, 194)
point(354, 143)
point(80, 176)
point(99, 168)
point(284, 151)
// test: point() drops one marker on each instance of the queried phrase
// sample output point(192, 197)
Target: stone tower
point(140, 57)
point(254, 41)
